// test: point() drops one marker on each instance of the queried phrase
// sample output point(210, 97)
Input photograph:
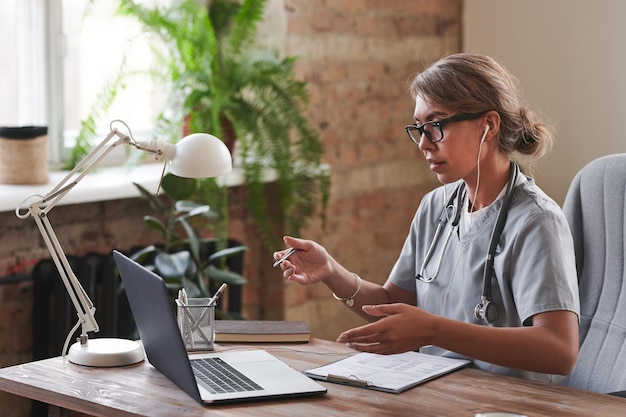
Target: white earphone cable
point(480, 149)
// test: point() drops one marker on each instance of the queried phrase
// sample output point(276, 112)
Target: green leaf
point(245, 25)
point(222, 275)
point(154, 224)
point(194, 245)
point(185, 206)
point(142, 254)
point(155, 202)
point(173, 265)
point(225, 253)
point(192, 289)
point(193, 209)
point(178, 188)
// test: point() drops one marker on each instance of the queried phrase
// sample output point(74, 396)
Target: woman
point(470, 122)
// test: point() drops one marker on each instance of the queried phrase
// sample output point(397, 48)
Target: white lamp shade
point(201, 155)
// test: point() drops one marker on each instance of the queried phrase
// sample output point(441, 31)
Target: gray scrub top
point(534, 265)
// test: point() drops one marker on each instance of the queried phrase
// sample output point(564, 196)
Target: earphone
point(484, 134)
point(480, 149)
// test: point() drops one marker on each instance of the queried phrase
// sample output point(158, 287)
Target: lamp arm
point(83, 305)
point(50, 200)
point(40, 208)
point(160, 151)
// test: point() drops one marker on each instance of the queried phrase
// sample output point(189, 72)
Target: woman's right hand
point(308, 265)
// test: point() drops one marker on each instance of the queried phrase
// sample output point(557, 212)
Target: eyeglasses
point(434, 130)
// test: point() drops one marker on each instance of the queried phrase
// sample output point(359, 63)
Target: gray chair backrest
point(594, 207)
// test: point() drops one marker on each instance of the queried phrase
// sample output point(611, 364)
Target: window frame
point(55, 48)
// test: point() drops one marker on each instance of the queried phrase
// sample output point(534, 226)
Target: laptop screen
point(152, 308)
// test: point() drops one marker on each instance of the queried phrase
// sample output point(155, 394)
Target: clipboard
point(388, 373)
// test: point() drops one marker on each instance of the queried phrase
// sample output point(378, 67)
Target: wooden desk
point(140, 390)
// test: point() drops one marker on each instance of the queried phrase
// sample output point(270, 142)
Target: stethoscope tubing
point(429, 254)
point(497, 231)
point(444, 218)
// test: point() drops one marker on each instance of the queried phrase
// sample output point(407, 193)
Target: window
point(58, 57)
point(21, 73)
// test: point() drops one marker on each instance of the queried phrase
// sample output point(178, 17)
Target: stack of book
point(275, 331)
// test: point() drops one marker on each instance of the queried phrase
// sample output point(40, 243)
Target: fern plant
point(220, 82)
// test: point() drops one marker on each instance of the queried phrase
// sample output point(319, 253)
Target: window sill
point(109, 183)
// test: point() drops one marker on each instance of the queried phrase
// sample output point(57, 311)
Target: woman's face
point(456, 155)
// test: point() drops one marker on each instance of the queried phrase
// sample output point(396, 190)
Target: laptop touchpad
point(267, 371)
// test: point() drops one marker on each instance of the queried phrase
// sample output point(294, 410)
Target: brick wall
point(356, 56)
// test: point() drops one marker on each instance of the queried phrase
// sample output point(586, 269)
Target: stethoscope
point(486, 309)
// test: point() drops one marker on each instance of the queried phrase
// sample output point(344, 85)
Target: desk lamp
point(198, 155)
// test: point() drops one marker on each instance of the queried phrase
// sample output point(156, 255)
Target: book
point(389, 373)
point(261, 331)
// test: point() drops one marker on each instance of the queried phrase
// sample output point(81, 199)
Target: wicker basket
point(24, 155)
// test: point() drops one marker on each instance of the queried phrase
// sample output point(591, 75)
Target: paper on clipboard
point(388, 373)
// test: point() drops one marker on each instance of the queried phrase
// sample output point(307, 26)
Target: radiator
point(53, 311)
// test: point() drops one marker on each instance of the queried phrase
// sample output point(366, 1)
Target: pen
point(348, 380)
point(182, 296)
point(285, 256)
point(220, 290)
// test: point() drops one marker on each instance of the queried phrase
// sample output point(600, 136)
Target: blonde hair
point(472, 83)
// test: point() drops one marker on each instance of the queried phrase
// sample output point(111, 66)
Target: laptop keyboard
point(218, 377)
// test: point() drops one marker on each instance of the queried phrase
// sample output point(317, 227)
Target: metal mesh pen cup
point(196, 321)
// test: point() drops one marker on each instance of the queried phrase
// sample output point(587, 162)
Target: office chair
point(595, 210)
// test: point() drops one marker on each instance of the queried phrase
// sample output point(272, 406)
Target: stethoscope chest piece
point(486, 310)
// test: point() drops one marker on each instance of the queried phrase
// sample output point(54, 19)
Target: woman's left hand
point(401, 328)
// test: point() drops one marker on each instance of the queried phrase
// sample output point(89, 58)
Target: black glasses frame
point(439, 124)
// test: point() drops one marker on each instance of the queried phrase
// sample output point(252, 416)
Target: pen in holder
point(196, 321)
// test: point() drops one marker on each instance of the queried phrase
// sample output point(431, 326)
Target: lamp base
point(106, 352)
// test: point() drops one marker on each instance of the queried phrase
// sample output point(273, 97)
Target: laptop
point(249, 374)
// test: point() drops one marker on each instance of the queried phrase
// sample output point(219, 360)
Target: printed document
point(389, 373)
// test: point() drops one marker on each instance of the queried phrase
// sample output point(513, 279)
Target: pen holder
point(196, 321)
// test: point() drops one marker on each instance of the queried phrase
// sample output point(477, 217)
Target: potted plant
point(220, 82)
point(182, 259)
